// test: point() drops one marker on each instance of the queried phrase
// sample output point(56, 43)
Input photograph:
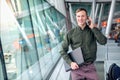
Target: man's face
point(81, 18)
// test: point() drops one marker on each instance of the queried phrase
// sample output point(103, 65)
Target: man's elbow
point(103, 42)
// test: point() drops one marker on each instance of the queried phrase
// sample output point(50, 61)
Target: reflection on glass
point(1, 71)
point(31, 37)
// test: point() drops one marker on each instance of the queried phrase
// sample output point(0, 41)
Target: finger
point(74, 67)
point(90, 18)
point(77, 66)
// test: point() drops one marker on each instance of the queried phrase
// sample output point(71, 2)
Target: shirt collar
point(86, 27)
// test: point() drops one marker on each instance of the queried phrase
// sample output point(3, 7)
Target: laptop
point(76, 56)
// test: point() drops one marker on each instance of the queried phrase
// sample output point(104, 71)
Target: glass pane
point(18, 44)
point(31, 35)
point(1, 69)
point(1, 72)
point(47, 34)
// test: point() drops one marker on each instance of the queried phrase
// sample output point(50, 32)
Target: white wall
point(59, 5)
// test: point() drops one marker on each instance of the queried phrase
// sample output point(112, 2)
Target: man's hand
point(74, 65)
point(91, 23)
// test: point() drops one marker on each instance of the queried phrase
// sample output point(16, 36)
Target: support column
point(100, 15)
point(93, 10)
point(96, 10)
point(71, 15)
point(108, 28)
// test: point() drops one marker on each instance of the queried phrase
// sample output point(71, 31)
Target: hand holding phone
point(90, 23)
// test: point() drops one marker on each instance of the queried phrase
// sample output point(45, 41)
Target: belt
point(87, 63)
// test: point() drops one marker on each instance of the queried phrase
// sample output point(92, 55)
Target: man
point(84, 36)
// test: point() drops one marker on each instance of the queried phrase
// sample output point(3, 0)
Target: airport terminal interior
point(31, 33)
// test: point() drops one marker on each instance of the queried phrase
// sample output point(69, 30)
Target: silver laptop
point(76, 56)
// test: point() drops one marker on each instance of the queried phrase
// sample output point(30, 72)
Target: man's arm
point(99, 36)
point(64, 49)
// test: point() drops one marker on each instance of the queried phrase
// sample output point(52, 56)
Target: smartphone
point(88, 21)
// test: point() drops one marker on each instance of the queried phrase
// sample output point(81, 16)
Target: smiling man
point(86, 36)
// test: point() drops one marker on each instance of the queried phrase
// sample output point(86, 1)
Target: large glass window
point(31, 35)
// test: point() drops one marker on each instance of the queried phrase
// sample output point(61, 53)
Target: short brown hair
point(81, 9)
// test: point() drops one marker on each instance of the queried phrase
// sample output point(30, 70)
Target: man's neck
point(82, 26)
